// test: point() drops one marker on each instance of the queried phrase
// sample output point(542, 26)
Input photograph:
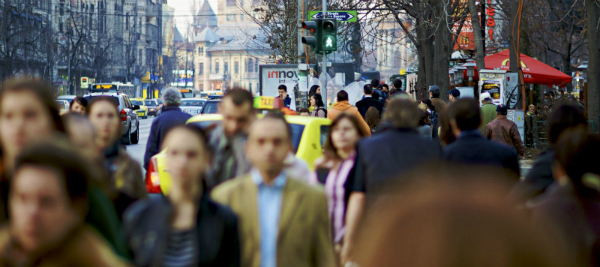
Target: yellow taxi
point(143, 111)
point(308, 138)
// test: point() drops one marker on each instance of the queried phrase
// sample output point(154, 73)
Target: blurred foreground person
point(228, 139)
point(171, 116)
point(283, 222)
point(189, 228)
point(79, 105)
point(48, 203)
point(335, 170)
point(124, 173)
point(342, 106)
point(539, 178)
point(28, 114)
point(454, 223)
point(571, 210)
point(471, 148)
point(504, 131)
point(383, 159)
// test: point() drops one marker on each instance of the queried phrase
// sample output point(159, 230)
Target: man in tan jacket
point(282, 221)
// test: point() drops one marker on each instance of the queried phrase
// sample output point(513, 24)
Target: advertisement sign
point(183, 80)
point(271, 76)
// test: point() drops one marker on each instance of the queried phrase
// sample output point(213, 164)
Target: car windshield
point(210, 108)
point(137, 102)
point(192, 103)
point(150, 103)
point(115, 100)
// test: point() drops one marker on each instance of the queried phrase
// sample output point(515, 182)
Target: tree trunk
point(442, 50)
point(512, 39)
point(593, 34)
point(479, 50)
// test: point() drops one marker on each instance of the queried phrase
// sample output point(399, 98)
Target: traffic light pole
point(324, 85)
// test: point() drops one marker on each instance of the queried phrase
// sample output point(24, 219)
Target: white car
point(192, 106)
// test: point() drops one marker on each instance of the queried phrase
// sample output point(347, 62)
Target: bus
point(114, 87)
point(211, 94)
point(186, 93)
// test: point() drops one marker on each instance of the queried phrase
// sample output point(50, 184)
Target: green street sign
point(340, 16)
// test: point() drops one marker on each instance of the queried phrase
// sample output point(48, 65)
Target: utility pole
point(324, 85)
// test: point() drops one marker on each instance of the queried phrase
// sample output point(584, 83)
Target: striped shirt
point(181, 249)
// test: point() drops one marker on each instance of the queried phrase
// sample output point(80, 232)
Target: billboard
point(183, 80)
point(271, 76)
point(466, 37)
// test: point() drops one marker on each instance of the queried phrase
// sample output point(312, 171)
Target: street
point(137, 151)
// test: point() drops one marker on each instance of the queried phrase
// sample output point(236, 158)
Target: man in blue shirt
point(283, 222)
point(287, 100)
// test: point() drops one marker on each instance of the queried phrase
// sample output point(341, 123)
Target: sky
point(183, 11)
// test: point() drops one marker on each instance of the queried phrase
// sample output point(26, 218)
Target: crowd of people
point(400, 183)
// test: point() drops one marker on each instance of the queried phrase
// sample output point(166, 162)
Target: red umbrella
point(534, 71)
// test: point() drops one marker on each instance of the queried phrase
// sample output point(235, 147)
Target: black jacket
point(471, 148)
point(538, 179)
point(169, 118)
point(147, 226)
point(364, 105)
point(383, 158)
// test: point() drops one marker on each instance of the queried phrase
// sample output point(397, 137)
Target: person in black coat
point(367, 102)
point(185, 227)
point(471, 148)
point(170, 117)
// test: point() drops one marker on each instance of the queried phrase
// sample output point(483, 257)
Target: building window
point(225, 67)
point(230, 2)
point(256, 65)
point(216, 67)
point(201, 68)
point(250, 87)
point(236, 67)
point(250, 65)
point(241, 17)
point(201, 50)
point(62, 9)
point(230, 17)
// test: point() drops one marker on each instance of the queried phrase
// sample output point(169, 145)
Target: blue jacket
point(472, 149)
point(169, 118)
point(287, 101)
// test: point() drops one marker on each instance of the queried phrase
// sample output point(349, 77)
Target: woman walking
point(319, 111)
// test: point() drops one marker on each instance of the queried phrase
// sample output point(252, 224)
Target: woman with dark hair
point(319, 107)
point(190, 229)
point(79, 105)
point(48, 203)
point(571, 210)
point(28, 113)
point(314, 90)
point(335, 170)
point(124, 173)
point(433, 116)
point(373, 118)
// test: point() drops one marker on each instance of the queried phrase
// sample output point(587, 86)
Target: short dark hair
point(282, 87)
point(403, 113)
point(368, 89)
point(239, 97)
point(563, 117)
point(80, 100)
point(342, 96)
point(398, 84)
point(279, 117)
point(375, 95)
point(385, 86)
point(71, 168)
point(466, 113)
point(375, 83)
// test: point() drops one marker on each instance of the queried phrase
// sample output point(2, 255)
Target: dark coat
point(169, 118)
point(147, 227)
point(538, 179)
point(364, 105)
point(287, 101)
point(471, 148)
point(384, 157)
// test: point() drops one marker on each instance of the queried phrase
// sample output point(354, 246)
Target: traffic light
point(313, 29)
point(328, 35)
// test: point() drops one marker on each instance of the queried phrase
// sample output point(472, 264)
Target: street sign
point(341, 16)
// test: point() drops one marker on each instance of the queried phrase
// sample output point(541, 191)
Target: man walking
point(229, 138)
point(287, 101)
point(171, 116)
point(368, 102)
point(470, 147)
point(283, 222)
point(440, 105)
point(342, 106)
point(504, 131)
point(453, 95)
point(488, 111)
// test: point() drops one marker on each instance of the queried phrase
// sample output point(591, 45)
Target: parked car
point(192, 106)
point(160, 106)
point(68, 98)
point(211, 107)
point(129, 119)
point(152, 105)
point(143, 111)
point(63, 105)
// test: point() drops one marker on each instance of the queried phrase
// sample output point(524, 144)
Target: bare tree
point(593, 34)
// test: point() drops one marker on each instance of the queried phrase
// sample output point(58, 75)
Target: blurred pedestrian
point(28, 114)
point(283, 94)
point(447, 137)
point(433, 117)
point(171, 116)
point(342, 106)
point(367, 102)
point(79, 105)
point(314, 90)
point(383, 160)
point(373, 119)
point(190, 229)
point(471, 148)
point(267, 201)
point(335, 170)
point(531, 134)
point(385, 90)
point(539, 178)
point(397, 85)
point(304, 112)
point(434, 93)
point(504, 131)
point(376, 86)
point(488, 111)
point(124, 173)
point(228, 139)
point(570, 210)
point(424, 127)
point(48, 203)
point(453, 95)
point(319, 110)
